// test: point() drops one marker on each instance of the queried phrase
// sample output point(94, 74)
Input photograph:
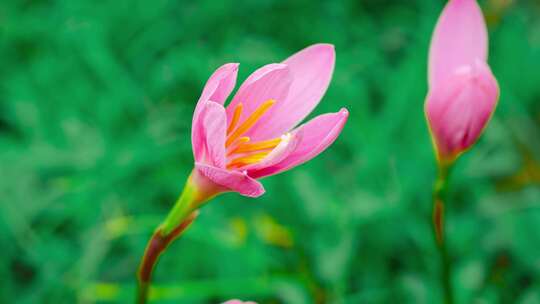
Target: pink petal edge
point(231, 180)
point(459, 38)
point(219, 86)
point(282, 151)
point(317, 135)
point(271, 81)
point(311, 70)
point(209, 133)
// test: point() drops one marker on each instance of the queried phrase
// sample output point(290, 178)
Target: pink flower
point(238, 302)
point(463, 92)
point(255, 135)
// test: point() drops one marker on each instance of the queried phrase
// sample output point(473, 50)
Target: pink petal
point(231, 180)
point(208, 134)
point(311, 70)
point(316, 136)
point(217, 89)
point(460, 38)
point(221, 83)
point(459, 109)
point(287, 146)
point(238, 302)
point(269, 82)
point(218, 86)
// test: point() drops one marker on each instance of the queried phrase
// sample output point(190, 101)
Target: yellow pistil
point(250, 121)
point(236, 116)
point(246, 160)
point(257, 146)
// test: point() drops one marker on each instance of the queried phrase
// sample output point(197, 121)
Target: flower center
point(240, 151)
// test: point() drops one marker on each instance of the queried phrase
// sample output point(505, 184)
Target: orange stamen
point(257, 146)
point(236, 116)
point(250, 121)
point(237, 143)
point(248, 159)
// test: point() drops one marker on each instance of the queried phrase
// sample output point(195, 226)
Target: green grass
point(96, 99)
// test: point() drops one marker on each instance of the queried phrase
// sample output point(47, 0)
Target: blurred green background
point(96, 99)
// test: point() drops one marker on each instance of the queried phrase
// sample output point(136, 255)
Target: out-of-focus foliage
point(96, 100)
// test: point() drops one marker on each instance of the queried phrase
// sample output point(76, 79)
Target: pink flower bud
point(459, 109)
point(463, 92)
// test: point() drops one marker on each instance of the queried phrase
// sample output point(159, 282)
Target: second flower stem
point(439, 198)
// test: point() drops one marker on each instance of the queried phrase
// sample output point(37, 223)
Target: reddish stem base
point(156, 246)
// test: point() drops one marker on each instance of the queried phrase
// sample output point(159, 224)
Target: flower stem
point(156, 246)
point(439, 196)
point(177, 221)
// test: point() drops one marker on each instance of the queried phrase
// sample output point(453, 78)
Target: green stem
point(142, 292)
point(184, 206)
point(156, 246)
point(177, 221)
point(439, 198)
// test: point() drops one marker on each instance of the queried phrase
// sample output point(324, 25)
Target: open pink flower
point(463, 92)
point(238, 302)
point(255, 135)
